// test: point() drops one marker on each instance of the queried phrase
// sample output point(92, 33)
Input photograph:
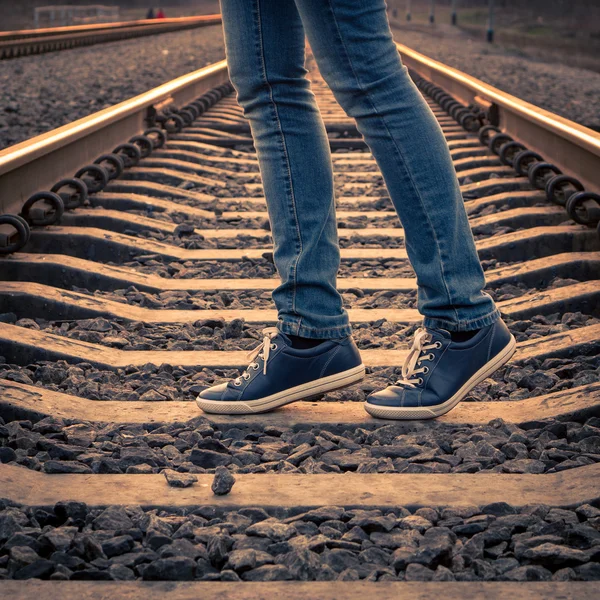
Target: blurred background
point(564, 30)
point(19, 14)
point(544, 51)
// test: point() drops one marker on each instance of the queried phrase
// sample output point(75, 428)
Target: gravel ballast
point(531, 378)
point(40, 93)
point(565, 90)
point(496, 542)
point(54, 445)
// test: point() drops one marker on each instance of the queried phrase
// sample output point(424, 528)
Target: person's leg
point(355, 52)
point(353, 46)
point(265, 44)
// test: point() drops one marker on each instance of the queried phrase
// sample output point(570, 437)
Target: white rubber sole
point(431, 412)
point(300, 392)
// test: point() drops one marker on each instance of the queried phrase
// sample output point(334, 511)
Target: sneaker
point(439, 373)
point(280, 374)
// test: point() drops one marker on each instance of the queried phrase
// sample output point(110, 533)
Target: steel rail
point(20, 34)
point(575, 149)
point(38, 163)
point(37, 41)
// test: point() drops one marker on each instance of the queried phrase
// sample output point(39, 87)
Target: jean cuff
point(465, 325)
point(296, 327)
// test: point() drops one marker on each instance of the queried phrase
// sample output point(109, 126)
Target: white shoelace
point(268, 334)
point(413, 360)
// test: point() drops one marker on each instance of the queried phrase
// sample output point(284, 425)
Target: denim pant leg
point(356, 55)
point(264, 41)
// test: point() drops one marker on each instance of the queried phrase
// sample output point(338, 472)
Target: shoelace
point(268, 334)
point(413, 360)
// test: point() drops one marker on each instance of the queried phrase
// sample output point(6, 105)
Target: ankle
point(463, 336)
point(302, 343)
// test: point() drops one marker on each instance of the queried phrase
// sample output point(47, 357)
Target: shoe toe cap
point(395, 396)
point(390, 396)
point(216, 392)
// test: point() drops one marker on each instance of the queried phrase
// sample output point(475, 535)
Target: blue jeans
point(353, 46)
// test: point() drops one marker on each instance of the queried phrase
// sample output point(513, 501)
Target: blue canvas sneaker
point(280, 374)
point(439, 373)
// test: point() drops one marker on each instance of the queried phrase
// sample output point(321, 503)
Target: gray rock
point(59, 538)
point(179, 480)
point(473, 549)
point(434, 548)
point(218, 548)
point(170, 569)
point(566, 574)
point(8, 526)
point(339, 559)
point(268, 573)
point(55, 466)
point(373, 523)
point(524, 465)
point(498, 509)
point(20, 556)
point(587, 511)
point(117, 545)
point(183, 548)
point(320, 515)
point(589, 571)
point(375, 555)
point(483, 570)
point(553, 554)
point(208, 459)
point(76, 511)
point(303, 565)
point(222, 482)
point(273, 529)
point(590, 444)
point(20, 539)
point(121, 573)
point(562, 515)
point(113, 518)
point(418, 572)
point(443, 574)
point(528, 573)
point(7, 455)
point(396, 539)
point(414, 522)
point(247, 559)
point(348, 575)
point(40, 569)
point(228, 575)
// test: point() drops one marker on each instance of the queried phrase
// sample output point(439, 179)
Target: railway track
point(38, 41)
point(125, 295)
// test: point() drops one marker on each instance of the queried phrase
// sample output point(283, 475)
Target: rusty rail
point(38, 41)
point(575, 149)
point(38, 163)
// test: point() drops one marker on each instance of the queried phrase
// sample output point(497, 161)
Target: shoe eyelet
point(425, 370)
point(237, 383)
point(438, 345)
point(420, 380)
point(273, 346)
point(255, 367)
point(431, 356)
point(246, 378)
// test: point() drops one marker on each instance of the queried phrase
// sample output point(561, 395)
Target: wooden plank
point(66, 270)
point(21, 401)
point(297, 590)
point(31, 299)
point(26, 345)
point(566, 488)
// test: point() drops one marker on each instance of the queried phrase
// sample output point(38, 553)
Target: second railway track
point(39, 41)
point(155, 278)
